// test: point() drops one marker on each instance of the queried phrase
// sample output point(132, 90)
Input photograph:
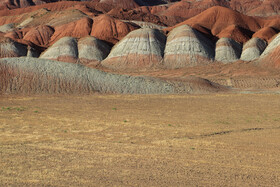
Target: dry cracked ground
point(137, 140)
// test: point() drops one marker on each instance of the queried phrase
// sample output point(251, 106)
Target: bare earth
point(140, 140)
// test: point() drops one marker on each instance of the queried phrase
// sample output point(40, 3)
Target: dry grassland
point(140, 140)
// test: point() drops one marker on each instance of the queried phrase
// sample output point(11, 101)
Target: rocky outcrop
point(140, 49)
point(92, 51)
point(271, 55)
point(40, 36)
point(77, 29)
point(109, 29)
point(253, 49)
point(187, 47)
point(265, 33)
point(227, 50)
point(10, 48)
point(224, 22)
point(65, 49)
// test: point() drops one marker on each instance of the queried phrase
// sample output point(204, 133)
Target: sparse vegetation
point(148, 139)
point(13, 108)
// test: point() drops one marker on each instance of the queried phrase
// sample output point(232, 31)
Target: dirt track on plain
point(137, 140)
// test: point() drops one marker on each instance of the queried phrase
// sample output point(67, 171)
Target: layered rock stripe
point(87, 50)
point(253, 49)
point(65, 49)
point(92, 50)
point(227, 50)
point(271, 55)
point(187, 47)
point(140, 49)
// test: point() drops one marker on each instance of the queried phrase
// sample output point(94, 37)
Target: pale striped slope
point(92, 50)
point(271, 55)
point(140, 49)
point(253, 49)
point(65, 49)
point(227, 50)
point(187, 47)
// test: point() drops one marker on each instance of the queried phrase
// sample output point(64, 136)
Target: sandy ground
point(125, 140)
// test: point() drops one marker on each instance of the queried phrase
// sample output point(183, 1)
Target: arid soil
point(140, 140)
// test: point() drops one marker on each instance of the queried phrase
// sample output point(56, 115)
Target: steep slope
point(109, 29)
point(92, 51)
point(77, 29)
point(40, 35)
point(140, 49)
point(227, 50)
point(265, 33)
point(253, 49)
point(217, 19)
point(271, 55)
point(187, 47)
point(65, 49)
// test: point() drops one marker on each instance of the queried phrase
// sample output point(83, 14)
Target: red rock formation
point(40, 35)
point(121, 3)
point(139, 15)
point(236, 33)
point(265, 33)
point(109, 29)
point(75, 29)
point(17, 34)
point(223, 22)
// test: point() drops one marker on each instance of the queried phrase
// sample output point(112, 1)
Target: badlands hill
point(170, 40)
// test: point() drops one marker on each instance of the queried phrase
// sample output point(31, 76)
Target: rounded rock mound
point(92, 51)
point(253, 49)
point(140, 49)
point(227, 50)
point(40, 35)
point(111, 30)
point(10, 48)
point(77, 29)
point(187, 47)
point(271, 55)
point(65, 49)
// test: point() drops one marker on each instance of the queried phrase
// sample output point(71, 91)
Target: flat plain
point(140, 140)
